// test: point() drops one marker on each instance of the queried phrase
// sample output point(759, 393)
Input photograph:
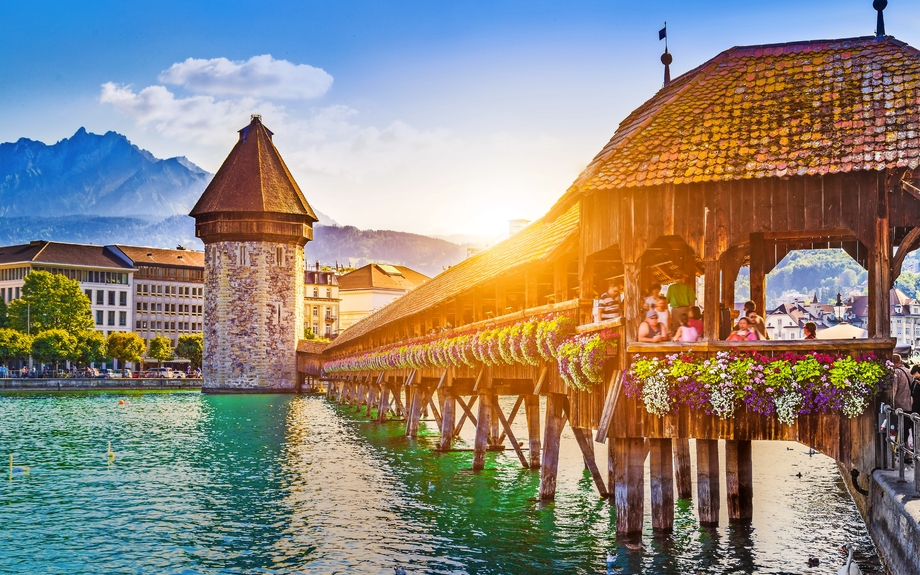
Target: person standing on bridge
point(901, 394)
point(681, 296)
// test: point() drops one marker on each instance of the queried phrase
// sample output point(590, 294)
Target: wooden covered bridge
point(760, 151)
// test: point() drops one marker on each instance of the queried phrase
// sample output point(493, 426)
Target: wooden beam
point(494, 439)
point(384, 404)
point(610, 405)
point(632, 297)
point(415, 410)
point(514, 412)
point(447, 419)
point(629, 492)
point(910, 242)
point(758, 273)
point(507, 427)
point(483, 425)
point(532, 410)
point(682, 477)
point(739, 480)
point(583, 437)
point(711, 290)
point(662, 483)
point(467, 413)
point(434, 409)
point(544, 371)
point(707, 486)
point(555, 421)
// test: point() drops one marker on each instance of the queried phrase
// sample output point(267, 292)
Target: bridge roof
point(538, 241)
point(803, 108)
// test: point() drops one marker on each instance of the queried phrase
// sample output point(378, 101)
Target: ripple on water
point(276, 484)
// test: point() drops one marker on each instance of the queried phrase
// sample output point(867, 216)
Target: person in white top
point(661, 308)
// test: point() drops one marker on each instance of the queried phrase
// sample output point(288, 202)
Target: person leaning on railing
point(651, 330)
point(610, 303)
point(901, 393)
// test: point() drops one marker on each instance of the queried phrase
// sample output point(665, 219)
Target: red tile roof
point(254, 178)
point(538, 241)
point(816, 107)
point(163, 257)
point(374, 276)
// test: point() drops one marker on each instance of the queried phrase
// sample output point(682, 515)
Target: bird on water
point(850, 567)
point(17, 468)
point(399, 571)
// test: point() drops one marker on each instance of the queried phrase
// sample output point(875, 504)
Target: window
point(123, 298)
point(315, 313)
point(138, 289)
point(279, 256)
point(328, 293)
point(111, 298)
point(112, 317)
point(159, 307)
point(122, 318)
point(138, 306)
point(242, 255)
point(89, 294)
point(137, 324)
point(17, 293)
point(315, 292)
point(144, 306)
point(315, 328)
point(99, 317)
point(100, 297)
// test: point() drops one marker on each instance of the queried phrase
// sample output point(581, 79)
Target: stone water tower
point(254, 222)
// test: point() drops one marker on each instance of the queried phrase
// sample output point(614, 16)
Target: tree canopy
point(125, 346)
point(14, 344)
point(160, 349)
point(90, 346)
point(50, 301)
point(191, 347)
point(54, 345)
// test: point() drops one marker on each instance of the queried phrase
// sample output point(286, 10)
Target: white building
point(371, 287)
point(787, 321)
point(321, 301)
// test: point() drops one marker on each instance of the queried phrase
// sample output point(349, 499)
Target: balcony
point(331, 319)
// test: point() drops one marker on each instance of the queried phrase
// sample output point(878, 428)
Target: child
point(686, 333)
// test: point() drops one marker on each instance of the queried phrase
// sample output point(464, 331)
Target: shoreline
point(97, 384)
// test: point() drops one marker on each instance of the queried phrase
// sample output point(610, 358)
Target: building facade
point(373, 286)
point(321, 302)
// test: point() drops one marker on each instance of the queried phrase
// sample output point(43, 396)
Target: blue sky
point(420, 116)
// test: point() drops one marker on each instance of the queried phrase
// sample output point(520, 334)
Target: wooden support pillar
point(495, 439)
point(739, 480)
point(531, 288)
point(586, 286)
point(448, 411)
point(711, 290)
point(632, 295)
point(532, 411)
point(682, 477)
point(371, 398)
point(560, 280)
point(555, 421)
point(415, 410)
point(630, 484)
point(661, 470)
point(879, 262)
point(707, 477)
point(583, 437)
point(483, 421)
point(758, 273)
point(612, 464)
point(384, 404)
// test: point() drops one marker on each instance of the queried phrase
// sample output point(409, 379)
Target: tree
point(190, 347)
point(3, 314)
point(90, 346)
point(125, 346)
point(50, 301)
point(161, 349)
point(14, 344)
point(53, 346)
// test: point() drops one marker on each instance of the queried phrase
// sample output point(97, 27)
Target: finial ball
point(666, 59)
point(879, 4)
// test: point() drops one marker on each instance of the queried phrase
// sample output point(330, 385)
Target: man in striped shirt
point(610, 303)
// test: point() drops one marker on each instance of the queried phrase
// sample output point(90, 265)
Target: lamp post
point(840, 309)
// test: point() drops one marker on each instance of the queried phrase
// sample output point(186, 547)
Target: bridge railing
point(891, 429)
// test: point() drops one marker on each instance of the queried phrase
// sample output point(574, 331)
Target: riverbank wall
point(894, 521)
point(86, 384)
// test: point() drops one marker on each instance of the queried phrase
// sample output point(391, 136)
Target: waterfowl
point(813, 561)
point(430, 486)
point(17, 468)
point(399, 571)
point(849, 568)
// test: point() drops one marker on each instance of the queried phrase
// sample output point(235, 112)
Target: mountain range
point(102, 189)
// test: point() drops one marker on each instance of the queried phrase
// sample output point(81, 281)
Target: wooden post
point(494, 429)
point(682, 477)
point(662, 483)
point(532, 410)
point(632, 296)
point(583, 437)
point(612, 464)
point(555, 421)
point(879, 264)
point(711, 290)
point(630, 484)
point(739, 480)
point(415, 411)
point(560, 280)
point(384, 403)
point(448, 409)
point(707, 476)
point(758, 273)
point(483, 423)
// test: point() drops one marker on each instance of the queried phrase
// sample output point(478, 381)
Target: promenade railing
point(891, 428)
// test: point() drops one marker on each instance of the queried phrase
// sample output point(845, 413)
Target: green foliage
point(191, 347)
point(90, 346)
point(54, 345)
point(14, 344)
point(50, 301)
point(125, 346)
point(909, 283)
point(161, 349)
point(3, 314)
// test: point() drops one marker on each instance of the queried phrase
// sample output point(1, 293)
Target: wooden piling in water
point(707, 480)
point(494, 427)
point(384, 404)
point(483, 425)
point(555, 421)
point(585, 443)
point(532, 410)
point(415, 411)
point(739, 480)
point(629, 492)
point(448, 409)
point(661, 470)
point(682, 477)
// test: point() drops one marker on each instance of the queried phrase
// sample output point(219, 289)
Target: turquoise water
point(294, 484)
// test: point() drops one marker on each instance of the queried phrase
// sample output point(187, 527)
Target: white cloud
point(260, 77)
point(199, 119)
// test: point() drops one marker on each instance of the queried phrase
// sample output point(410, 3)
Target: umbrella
point(843, 331)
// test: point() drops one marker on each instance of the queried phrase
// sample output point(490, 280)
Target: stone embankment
point(86, 384)
point(894, 521)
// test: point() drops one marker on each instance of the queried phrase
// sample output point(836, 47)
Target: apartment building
point(321, 301)
point(373, 286)
point(104, 273)
point(168, 295)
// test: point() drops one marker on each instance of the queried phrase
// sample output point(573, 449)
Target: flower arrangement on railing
point(581, 358)
point(525, 342)
point(785, 386)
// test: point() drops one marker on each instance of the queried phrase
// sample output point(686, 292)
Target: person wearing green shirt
point(680, 296)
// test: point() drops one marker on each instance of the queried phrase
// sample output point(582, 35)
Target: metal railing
point(891, 429)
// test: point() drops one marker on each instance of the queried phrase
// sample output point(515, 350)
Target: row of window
point(110, 316)
point(328, 293)
point(89, 276)
point(6, 294)
point(169, 308)
point(101, 299)
point(167, 290)
point(13, 274)
point(167, 326)
point(178, 274)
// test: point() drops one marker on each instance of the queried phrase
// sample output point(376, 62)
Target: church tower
point(254, 222)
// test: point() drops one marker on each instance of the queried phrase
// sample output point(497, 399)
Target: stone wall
point(253, 316)
point(83, 384)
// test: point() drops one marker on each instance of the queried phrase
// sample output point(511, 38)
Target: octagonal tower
point(254, 222)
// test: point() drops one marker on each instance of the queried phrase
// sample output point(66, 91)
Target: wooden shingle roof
point(536, 242)
point(778, 110)
point(254, 179)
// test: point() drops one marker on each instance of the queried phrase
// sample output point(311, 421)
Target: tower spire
point(666, 58)
point(879, 6)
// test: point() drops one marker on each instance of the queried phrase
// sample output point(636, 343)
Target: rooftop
point(382, 276)
point(45, 252)
point(163, 257)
